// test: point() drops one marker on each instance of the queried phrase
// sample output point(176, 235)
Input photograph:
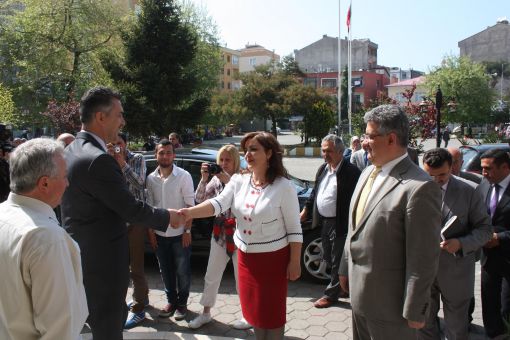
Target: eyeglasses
point(372, 137)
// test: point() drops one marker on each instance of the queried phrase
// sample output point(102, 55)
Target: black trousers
point(495, 296)
point(106, 281)
point(333, 247)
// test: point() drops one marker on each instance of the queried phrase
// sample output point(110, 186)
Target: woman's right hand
point(204, 170)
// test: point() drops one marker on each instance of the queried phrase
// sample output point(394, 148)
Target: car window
point(468, 155)
point(193, 167)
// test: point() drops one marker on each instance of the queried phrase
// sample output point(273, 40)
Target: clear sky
point(410, 33)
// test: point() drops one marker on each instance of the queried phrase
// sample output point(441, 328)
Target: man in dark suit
point(496, 253)
point(455, 279)
point(391, 250)
point(329, 201)
point(95, 208)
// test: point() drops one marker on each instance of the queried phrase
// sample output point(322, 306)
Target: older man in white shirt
point(42, 294)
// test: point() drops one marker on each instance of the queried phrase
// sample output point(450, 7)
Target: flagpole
point(339, 81)
point(349, 69)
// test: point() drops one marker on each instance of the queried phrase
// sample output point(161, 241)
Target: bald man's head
point(457, 160)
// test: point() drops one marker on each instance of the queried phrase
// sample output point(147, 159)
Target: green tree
point(467, 83)
point(49, 49)
point(262, 94)
point(7, 111)
point(170, 66)
point(310, 103)
point(224, 109)
point(290, 67)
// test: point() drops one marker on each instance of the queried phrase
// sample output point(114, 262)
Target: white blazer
point(267, 219)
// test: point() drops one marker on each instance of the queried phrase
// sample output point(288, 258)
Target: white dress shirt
point(267, 219)
point(327, 192)
point(174, 192)
point(41, 294)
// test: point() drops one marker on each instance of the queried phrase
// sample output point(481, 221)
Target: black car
point(191, 160)
point(471, 155)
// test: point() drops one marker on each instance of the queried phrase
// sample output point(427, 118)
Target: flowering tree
point(421, 123)
point(64, 116)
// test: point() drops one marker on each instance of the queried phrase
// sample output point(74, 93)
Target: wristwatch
point(187, 231)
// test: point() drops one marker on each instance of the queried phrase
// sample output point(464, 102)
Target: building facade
point(396, 90)
point(229, 77)
point(322, 55)
point(491, 44)
point(367, 85)
point(256, 55)
point(397, 74)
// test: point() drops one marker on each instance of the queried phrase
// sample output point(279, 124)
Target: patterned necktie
point(494, 200)
point(363, 197)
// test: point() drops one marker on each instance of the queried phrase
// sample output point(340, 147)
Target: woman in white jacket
point(268, 234)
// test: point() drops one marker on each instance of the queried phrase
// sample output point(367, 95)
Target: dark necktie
point(365, 158)
point(494, 200)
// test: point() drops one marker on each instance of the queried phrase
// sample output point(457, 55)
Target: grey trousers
point(455, 309)
point(332, 246)
point(366, 329)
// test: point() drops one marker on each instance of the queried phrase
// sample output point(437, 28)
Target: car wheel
point(314, 268)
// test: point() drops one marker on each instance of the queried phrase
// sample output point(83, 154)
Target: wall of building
point(255, 55)
point(322, 55)
point(491, 44)
point(368, 85)
point(230, 70)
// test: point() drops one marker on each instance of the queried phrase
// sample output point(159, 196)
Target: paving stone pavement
point(303, 320)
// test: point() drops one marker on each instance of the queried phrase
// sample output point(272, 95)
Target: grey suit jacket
point(456, 273)
point(358, 159)
point(393, 253)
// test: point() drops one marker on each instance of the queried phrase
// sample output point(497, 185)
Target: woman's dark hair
point(268, 142)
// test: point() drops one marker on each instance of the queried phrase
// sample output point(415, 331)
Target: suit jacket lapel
point(389, 183)
point(449, 198)
point(504, 201)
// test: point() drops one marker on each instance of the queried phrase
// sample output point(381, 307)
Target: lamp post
point(427, 104)
point(439, 103)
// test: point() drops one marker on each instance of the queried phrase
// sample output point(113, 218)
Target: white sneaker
point(200, 320)
point(241, 324)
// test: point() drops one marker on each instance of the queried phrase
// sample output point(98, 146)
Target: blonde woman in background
point(223, 248)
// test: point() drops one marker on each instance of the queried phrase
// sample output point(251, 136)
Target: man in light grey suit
point(360, 157)
point(455, 279)
point(391, 249)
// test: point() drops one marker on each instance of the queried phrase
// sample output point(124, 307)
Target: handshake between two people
point(180, 217)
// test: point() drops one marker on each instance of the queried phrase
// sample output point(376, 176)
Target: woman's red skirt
point(263, 287)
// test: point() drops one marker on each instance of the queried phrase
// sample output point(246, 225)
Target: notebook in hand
point(452, 229)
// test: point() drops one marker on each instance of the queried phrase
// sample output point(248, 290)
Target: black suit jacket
point(95, 208)
point(346, 179)
point(500, 224)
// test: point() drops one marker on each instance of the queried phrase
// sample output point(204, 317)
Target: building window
point(228, 85)
point(310, 82)
point(253, 61)
point(235, 60)
point(228, 72)
point(228, 59)
point(329, 83)
point(377, 83)
point(357, 81)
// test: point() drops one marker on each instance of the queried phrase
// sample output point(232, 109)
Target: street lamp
point(427, 103)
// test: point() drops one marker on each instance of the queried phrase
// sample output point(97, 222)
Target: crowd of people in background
point(398, 238)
